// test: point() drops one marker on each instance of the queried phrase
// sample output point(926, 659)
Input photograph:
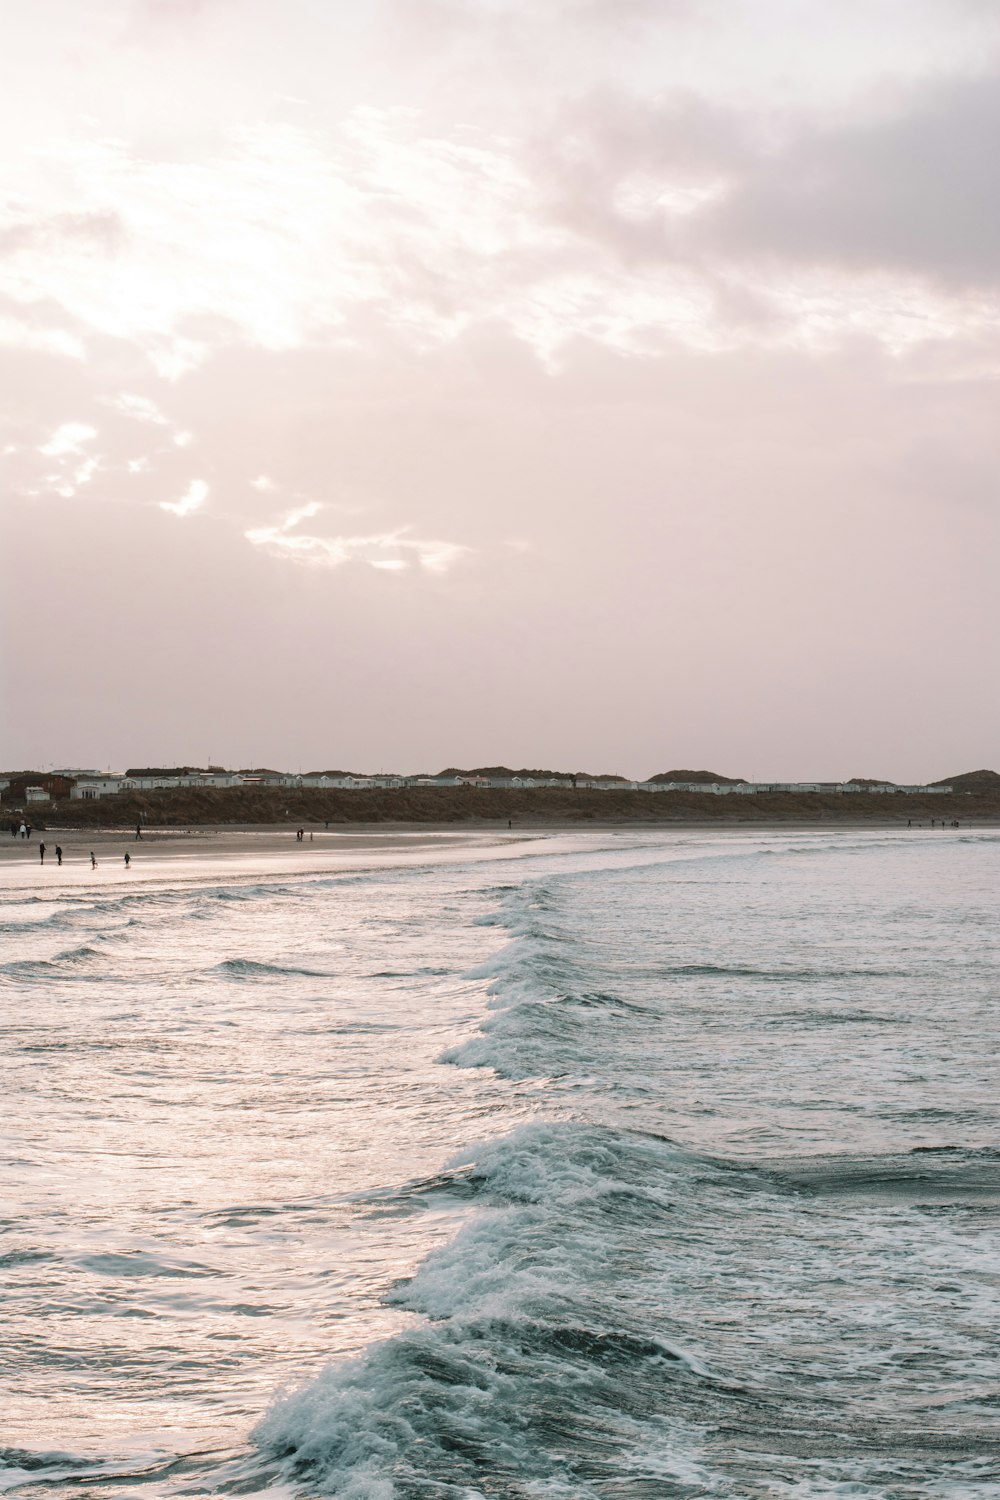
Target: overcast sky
point(604, 384)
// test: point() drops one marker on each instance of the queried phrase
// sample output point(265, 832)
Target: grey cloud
point(917, 192)
point(591, 149)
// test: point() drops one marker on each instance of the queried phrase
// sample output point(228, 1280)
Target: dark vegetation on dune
point(978, 783)
point(706, 777)
point(534, 775)
point(287, 806)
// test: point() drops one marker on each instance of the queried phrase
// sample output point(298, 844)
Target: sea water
point(620, 1166)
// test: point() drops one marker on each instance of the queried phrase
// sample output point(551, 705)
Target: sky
point(588, 384)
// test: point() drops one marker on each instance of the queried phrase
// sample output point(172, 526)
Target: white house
point(96, 786)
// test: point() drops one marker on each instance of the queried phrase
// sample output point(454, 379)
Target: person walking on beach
point(23, 830)
point(41, 853)
point(58, 855)
point(13, 830)
point(93, 861)
point(128, 859)
point(138, 830)
point(27, 830)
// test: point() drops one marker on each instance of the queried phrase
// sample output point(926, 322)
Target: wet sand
point(216, 843)
point(180, 854)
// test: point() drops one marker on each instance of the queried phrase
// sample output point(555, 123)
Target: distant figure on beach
point(93, 861)
point(310, 836)
point(41, 853)
point(509, 823)
point(23, 831)
point(58, 855)
point(27, 830)
point(13, 830)
point(138, 830)
point(128, 859)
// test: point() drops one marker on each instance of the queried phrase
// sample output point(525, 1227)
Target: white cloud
point(85, 472)
point(69, 438)
point(139, 407)
point(391, 551)
point(193, 497)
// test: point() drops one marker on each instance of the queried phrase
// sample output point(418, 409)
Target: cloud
point(391, 551)
point(613, 216)
point(139, 407)
point(98, 229)
point(67, 439)
point(76, 467)
point(191, 500)
point(916, 192)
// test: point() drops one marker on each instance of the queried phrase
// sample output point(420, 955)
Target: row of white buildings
point(91, 785)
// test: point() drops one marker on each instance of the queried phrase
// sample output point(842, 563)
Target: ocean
point(612, 1165)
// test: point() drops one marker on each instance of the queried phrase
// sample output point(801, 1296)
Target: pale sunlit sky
point(598, 384)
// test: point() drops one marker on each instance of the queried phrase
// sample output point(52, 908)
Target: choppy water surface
point(632, 1166)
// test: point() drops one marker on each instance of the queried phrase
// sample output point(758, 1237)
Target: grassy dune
point(240, 806)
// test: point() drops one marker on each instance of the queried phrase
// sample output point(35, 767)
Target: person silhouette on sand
point(41, 853)
point(93, 861)
point(128, 859)
point(58, 855)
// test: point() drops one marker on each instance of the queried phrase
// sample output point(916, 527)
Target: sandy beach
point(216, 843)
point(175, 854)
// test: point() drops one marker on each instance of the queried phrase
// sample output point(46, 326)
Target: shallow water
point(624, 1165)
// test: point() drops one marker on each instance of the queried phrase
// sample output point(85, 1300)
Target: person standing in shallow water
point(128, 859)
point(93, 861)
